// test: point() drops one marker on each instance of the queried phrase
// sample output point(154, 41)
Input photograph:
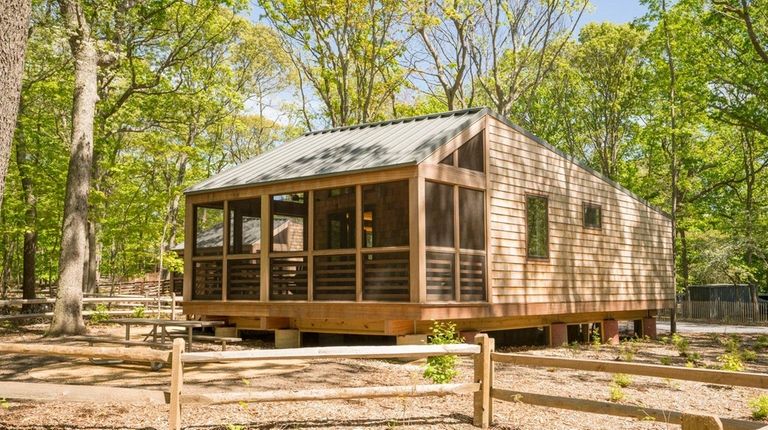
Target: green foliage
point(596, 339)
point(4, 404)
point(138, 312)
point(615, 393)
point(622, 380)
point(681, 343)
point(762, 342)
point(731, 361)
point(627, 350)
point(759, 406)
point(100, 314)
point(235, 427)
point(442, 370)
point(665, 360)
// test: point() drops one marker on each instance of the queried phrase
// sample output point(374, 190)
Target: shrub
point(731, 361)
point(762, 342)
point(665, 360)
point(732, 344)
point(100, 314)
point(442, 370)
point(759, 407)
point(138, 312)
point(596, 340)
point(627, 351)
point(616, 394)
point(681, 344)
point(749, 355)
point(622, 380)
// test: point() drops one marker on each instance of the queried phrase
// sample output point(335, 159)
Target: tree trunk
point(14, 22)
point(93, 259)
point(68, 311)
point(30, 232)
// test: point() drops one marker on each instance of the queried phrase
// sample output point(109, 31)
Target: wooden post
point(700, 422)
point(483, 413)
point(177, 381)
point(173, 304)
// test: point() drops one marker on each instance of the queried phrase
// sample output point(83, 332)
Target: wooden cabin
point(382, 228)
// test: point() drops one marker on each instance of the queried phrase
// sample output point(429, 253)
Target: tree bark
point(14, 22)
point(68, 310)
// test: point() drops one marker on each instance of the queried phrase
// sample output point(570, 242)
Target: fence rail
point(159, 305)
point(721, 311)
point(481, 387)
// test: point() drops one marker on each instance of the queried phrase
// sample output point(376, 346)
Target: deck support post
point(558, 334)
point(287, 338)
point(177, 382)
point(649, 327)
point(483, 403)
point(610, 332)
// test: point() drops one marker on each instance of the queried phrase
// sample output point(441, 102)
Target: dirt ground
point(451, 412)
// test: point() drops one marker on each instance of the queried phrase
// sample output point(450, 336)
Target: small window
point(448, 160)
point(438, 203)
point(536, 208)
point(592, 216)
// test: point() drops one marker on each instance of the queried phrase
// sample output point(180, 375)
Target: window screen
point(538, 226)
point(471, 222)
point(592, 216)
point(439, 214)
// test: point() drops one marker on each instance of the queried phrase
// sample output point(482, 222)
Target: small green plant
point(235, 427)
point(627, 351)
point(761, 342)
point(596, 339)
point(731, 361)
point(759, 407)
point(4, 404)
point(100, 314)
point(749, 355)
point(138, 312)
point(665, 360)
point(732, 344)
point(616, 394)
point(442, 370)
point(681, 344)
point(622, 380)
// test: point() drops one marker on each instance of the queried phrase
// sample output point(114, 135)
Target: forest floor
point(451, 412)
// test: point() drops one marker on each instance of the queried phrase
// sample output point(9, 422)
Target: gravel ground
point(453, 412)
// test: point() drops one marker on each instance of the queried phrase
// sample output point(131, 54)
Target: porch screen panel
point(245, 226)
point(385, 214)
point(334, 277)
point(334, 218)
point(206, 280)
point(289, 219)
point(243, 279)
point(209, 229)
point(472, 282)
point(288, 278)
point(386, 277)
point(471, 221)
point(440, 276)
point(472, 154)
point(438, 202)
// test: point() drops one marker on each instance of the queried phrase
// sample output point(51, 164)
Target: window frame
point(528, 255)
point(589, 205)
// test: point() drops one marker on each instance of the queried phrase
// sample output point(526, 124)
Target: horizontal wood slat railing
point(689, 421)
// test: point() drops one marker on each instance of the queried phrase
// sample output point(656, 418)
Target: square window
point(592, 216)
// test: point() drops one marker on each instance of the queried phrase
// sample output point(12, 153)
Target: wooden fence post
point(483, 413)
point(173, 306)
point(177, 382)
point(700, 422)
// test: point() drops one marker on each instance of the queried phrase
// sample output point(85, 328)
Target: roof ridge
point(397, 120)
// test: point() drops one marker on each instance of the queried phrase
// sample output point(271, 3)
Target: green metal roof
point(405, 141)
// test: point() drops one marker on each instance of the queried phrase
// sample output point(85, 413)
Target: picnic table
point(160, 326)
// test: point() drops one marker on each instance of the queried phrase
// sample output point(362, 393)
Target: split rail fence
point(116, 306)
point(481, 388)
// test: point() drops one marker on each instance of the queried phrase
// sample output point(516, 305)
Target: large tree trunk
point(30, 232)
point(68, 311)
point(14, 21)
